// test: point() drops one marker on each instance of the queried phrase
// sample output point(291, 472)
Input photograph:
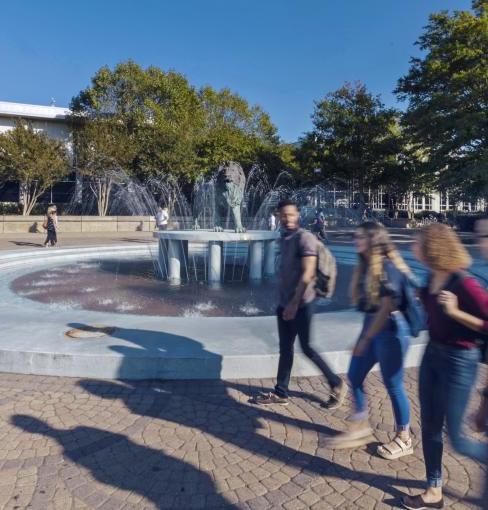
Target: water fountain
point(178, 248)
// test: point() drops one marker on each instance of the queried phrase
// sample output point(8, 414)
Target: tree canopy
point(355, 137)
point(173, 127)
point(447, 91)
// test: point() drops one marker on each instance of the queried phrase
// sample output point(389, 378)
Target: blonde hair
point(380, 247)
point(442, 249)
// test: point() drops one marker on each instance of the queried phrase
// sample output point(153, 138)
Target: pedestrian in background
point(272, 221)
point(51, 226)
point(162, 217)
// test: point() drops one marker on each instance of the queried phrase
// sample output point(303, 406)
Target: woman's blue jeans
point(447, 377)
point(388, 348)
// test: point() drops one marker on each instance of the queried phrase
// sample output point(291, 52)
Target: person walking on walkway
point(51, 226)
point(378, 290)
point(297, 272)
point(449, 366)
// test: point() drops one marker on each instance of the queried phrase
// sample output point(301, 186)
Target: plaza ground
point(112, 445)
point(83, 444)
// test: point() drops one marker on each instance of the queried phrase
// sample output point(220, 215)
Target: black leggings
point(51, 238)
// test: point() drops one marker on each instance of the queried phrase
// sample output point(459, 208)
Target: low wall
point(10, 224)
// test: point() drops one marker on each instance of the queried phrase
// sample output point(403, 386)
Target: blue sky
point(280, 54)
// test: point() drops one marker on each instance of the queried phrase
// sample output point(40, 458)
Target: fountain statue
point(230, 185)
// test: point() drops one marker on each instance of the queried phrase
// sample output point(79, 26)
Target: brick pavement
point(85, 444)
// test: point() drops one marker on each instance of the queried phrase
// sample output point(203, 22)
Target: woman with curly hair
point(449, 366)
point(378, 290)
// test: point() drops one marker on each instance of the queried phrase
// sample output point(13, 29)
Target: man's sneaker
point(337, 396)
point(267, 399)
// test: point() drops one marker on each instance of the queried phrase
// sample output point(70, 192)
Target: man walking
point(296, 277)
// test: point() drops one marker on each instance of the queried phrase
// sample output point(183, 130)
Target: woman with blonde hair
point(449, 366)
point(378, 290)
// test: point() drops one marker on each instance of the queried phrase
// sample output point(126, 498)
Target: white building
point(50, 119)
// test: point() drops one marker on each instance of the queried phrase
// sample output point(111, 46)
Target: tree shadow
point(148, 240)
point(227, 419)
point(146, 471)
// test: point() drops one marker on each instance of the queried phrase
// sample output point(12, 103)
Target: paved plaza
point(99, 444)
point(75, 443)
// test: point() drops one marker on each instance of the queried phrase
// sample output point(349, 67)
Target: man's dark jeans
point(288, 331)
point(447, 377)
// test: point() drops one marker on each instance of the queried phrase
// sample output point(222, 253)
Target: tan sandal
point(395, 449)
point(358, 434)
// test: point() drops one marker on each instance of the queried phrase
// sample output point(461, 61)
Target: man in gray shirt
point(295, 309)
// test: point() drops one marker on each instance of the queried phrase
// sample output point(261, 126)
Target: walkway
point(86, 444)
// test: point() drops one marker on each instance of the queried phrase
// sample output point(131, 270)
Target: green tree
point(160, 112)
point(354, 138)
point(175, 129)
point(447, 91)
point(32, 159)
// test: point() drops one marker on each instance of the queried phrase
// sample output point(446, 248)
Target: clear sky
point(280, 54)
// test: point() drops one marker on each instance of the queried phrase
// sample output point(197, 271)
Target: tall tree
point(175, 129)
point(447, 90)
point(354, 137)
point(34, 160)
point(159, 110)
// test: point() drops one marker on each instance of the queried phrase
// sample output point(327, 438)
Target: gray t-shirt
point(293, 247)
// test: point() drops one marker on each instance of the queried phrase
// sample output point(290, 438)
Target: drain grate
point(95, 331)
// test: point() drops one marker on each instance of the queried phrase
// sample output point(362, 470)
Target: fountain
point(198, 301)
point(178, 249)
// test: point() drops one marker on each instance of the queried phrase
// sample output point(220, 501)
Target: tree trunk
point(104, 187)
point(28, 196)
point(410, 207)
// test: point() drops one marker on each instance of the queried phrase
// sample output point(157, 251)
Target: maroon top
point(472, 298)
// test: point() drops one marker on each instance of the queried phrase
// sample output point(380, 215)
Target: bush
point(9, 208)
point(464, 222)
point(14, 208)
point(422, 215)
